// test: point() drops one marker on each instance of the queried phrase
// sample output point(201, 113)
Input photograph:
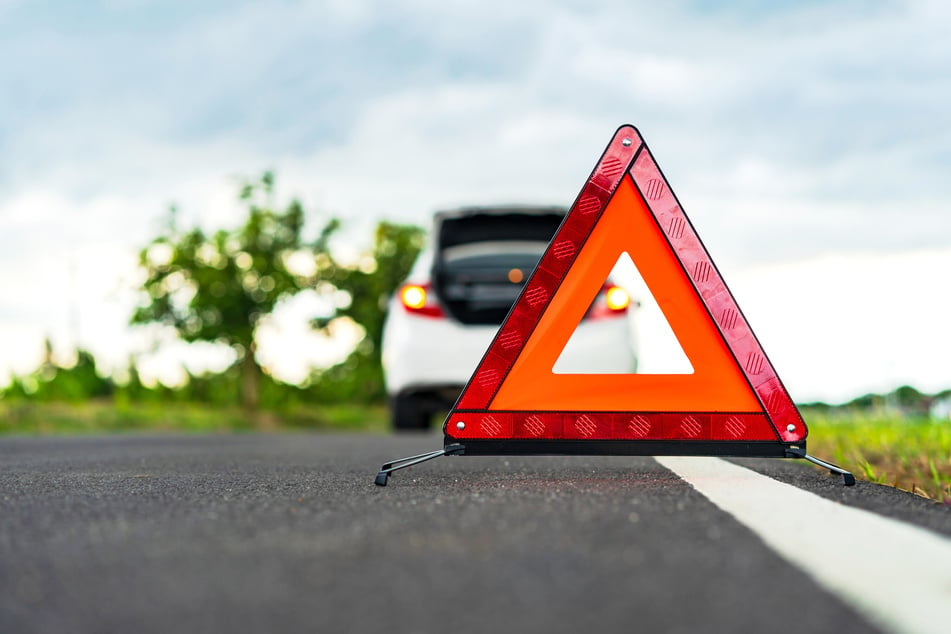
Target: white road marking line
point(896, 574)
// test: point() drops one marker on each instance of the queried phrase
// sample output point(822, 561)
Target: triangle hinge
point(402, 463)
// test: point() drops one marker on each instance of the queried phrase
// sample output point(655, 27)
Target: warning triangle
point(732, 403)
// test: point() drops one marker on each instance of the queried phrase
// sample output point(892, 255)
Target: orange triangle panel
point(733, 402)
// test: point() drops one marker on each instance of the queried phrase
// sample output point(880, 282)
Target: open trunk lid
point(485, 255)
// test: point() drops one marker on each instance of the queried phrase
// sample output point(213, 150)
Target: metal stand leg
point(402, 463)
point(847, 476)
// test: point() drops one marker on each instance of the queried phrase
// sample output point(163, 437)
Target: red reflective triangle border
point(473, 417)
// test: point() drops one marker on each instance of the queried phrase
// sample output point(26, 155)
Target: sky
point(809, 143)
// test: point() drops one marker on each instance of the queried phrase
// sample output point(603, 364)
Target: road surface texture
point(287, 533)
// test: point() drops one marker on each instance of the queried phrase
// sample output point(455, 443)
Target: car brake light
point(418, 299)
point(414, 297)
point(617, 298)
point(611, 301)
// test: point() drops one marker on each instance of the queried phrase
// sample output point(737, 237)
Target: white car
point(443, 318)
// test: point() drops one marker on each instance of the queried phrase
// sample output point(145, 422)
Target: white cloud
point(836, 326)
point(791, 134)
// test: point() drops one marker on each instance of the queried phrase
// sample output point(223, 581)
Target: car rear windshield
point(483, 259)
point(478, 283)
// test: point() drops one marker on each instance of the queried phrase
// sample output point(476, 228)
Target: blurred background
point(208, 204)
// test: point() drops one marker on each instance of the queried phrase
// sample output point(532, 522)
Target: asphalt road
point(287, 533)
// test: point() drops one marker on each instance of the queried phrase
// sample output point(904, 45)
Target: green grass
point(911, 454)
point(104, 417)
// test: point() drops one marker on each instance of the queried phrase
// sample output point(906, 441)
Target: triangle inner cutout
point(637, 341)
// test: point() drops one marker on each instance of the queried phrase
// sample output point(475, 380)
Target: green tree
point(370, 285)
point(217, 288)
point(76, 383)
point(53, 381)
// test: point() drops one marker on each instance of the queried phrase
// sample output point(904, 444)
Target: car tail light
point(419, 299)
point(617, 299)
point(612, 300)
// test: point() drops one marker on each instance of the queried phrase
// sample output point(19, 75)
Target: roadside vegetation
point(909, 452)
point(106, 417)
point(893, 447)
point(217, 288)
